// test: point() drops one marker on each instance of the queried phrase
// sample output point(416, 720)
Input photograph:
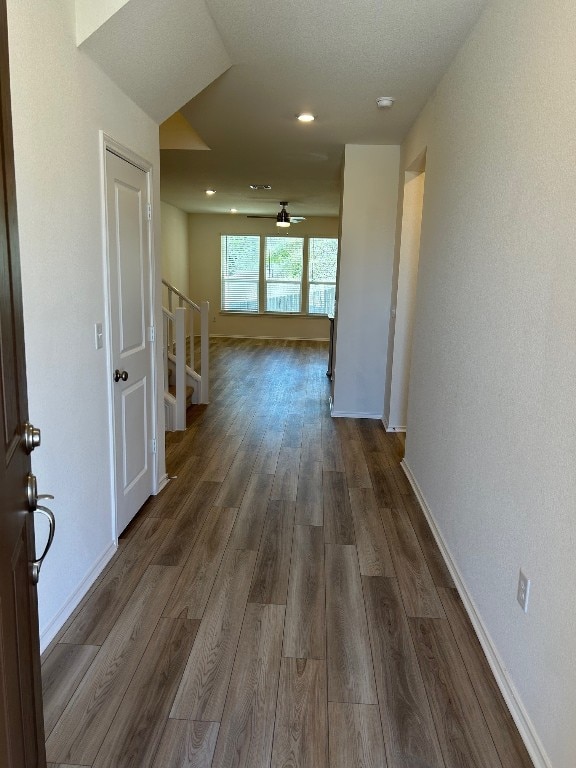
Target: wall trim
point(54, 626)
point(272, 338)
point(391, 428)
point(355, 415)
point(163, 482)
point(507, 688)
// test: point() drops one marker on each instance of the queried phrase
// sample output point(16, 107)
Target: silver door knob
point(31, 437)
point(120, 375)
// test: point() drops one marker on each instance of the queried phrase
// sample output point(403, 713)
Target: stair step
point(189, 392)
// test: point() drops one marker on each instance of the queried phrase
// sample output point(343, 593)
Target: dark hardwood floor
point(281, 603)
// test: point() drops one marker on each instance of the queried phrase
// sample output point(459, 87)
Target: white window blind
point(240, 260)
point(322, 261)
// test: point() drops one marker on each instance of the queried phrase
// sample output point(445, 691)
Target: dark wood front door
point(21, 725)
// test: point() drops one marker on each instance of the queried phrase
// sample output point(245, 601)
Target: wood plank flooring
point(280, 604)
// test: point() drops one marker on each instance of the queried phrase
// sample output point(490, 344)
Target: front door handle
point(32, 493)
point(37, 564)
point(120, 375)
point(33, 498)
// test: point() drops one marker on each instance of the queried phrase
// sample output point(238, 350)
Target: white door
point(127, 207)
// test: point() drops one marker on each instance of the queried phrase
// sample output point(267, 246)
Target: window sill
point(304, 315)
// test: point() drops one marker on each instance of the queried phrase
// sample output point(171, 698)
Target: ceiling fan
point(283, 218)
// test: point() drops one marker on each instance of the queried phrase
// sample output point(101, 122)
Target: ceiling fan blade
point(258, 216)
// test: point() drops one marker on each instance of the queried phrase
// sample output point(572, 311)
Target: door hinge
point(149, 208)
point(152, 333)
point(154, 445)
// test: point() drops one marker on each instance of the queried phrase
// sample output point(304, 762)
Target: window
point(283, 275)
point(322, 259)
point(240, 259)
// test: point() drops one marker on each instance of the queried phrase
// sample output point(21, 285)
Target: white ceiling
point(160, 52)
point(330, 57)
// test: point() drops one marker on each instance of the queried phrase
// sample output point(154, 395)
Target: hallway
point(281, 603)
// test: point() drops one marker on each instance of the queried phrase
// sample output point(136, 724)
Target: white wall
point(60, 102)
point(205, 232)
point(396, 401)
point(175, 257)
point(491, 438)
point(369, 202)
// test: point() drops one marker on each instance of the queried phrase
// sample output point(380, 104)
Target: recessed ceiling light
point(306, 117)
point(233, 210)
point(210, 191)
point(261, 186)
point(385, 102)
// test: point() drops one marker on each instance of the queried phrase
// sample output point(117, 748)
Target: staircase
point(183, 384)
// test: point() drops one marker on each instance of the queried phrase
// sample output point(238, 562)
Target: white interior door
point(127, 204)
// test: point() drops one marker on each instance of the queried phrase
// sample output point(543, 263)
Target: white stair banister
point(178, 322)
point(168, 319)
point(204, 351)
point(180, 332)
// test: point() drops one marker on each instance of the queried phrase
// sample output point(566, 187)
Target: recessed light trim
point(385, 102)
point(261, 186)
point(210, 192)
point(233, 210)
point(306, 117)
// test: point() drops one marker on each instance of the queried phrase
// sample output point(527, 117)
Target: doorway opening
point(404, 305)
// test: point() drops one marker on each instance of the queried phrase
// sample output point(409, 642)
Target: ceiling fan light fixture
point(283, 218)
point(305, 117)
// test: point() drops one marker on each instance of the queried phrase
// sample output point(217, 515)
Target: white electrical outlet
point(523, 591)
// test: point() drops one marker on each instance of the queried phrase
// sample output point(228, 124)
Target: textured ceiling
point(332, 58)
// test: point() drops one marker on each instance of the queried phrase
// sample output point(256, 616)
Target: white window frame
point(262, 282)
point(256, 280)
point(300, 282)
point(316, 282)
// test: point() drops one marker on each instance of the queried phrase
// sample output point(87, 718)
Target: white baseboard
point(355, 415)
point(163, 482)
point(49, 633)
point(507, 688)
point(391, 427)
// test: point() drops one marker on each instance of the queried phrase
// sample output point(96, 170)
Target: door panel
point(21, 723)
point(130, 250)
point(135, 433)
point(130, 316)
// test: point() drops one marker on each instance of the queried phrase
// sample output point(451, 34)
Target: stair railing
point(180, 320)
